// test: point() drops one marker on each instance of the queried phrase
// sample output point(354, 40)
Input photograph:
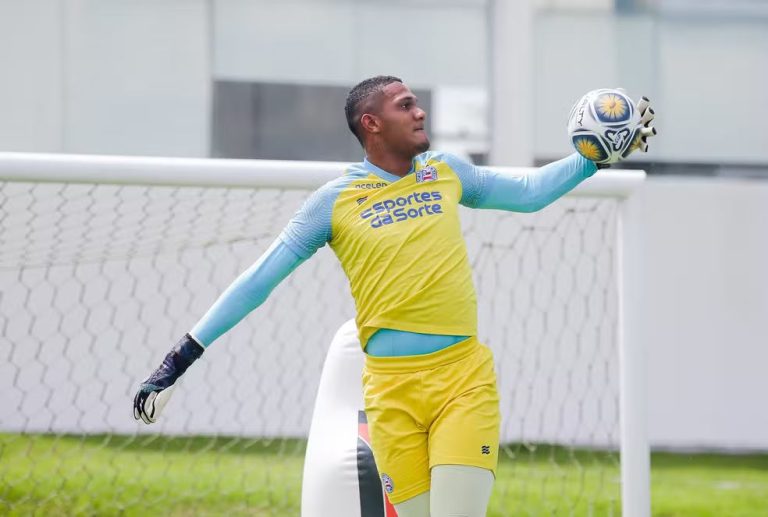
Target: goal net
point(107, 261)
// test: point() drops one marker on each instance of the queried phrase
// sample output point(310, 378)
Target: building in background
point(167, 79)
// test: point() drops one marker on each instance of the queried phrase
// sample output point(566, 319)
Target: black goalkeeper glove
point(155, 391)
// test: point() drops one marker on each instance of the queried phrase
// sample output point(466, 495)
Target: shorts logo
point(485, 449)
point(426, 174)
point(387, 482)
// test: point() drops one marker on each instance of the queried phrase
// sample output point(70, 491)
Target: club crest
point(426, 174)
point(386, 481)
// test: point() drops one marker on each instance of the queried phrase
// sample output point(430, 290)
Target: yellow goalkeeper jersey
point(401, 246)
point(399, 239)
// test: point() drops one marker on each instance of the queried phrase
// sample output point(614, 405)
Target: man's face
point(402, 120)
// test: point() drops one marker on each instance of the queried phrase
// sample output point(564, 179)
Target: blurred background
point(268, 79)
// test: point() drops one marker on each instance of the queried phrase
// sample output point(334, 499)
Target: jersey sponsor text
point(399, 209)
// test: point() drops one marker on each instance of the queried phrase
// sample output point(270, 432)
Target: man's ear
point(370, 123)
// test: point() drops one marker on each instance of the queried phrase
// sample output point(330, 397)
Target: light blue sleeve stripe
point(247, 292)
point(473, 179)
point(310, 228)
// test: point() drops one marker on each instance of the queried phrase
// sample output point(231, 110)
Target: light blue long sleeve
point(535, 190)
point(247, 292)
point(490, 188)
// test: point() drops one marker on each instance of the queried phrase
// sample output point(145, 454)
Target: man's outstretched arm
point(488, 188)
point(537, 189)
point(244, 295)
point(247, 292)
point(307, 232)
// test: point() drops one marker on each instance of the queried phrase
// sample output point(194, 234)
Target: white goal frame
point(195, 172)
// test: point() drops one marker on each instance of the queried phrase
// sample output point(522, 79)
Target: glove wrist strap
point(187, 351)
point(176, 362)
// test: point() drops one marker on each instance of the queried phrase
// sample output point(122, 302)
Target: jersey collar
point(386, 176)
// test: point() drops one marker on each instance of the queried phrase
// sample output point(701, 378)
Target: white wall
point(105, 77)
point(713, 79)
point(78, 338)
point(342, 42)
point(105, 290)
point(31, 82)
point(134, 77)
point(137, 77)
point(706, 79)
point(605, 5)
point(705, 266)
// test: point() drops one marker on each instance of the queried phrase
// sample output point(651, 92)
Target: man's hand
point(155, 391)
point(643, 131)
point(646, 129)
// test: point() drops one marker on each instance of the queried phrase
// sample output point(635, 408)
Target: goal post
point(105, 257)
point(635, 446)
point(233, 173)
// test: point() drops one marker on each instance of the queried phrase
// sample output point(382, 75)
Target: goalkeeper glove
point(155, 391)
point(646, 129)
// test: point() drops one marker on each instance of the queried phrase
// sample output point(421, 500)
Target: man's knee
point(417, 506)
point(460, 491)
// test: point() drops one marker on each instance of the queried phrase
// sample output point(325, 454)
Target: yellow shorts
point(433, 409)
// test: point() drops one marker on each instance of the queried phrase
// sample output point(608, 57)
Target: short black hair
point(360, 93)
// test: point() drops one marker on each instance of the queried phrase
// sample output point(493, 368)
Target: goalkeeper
point(393, 221)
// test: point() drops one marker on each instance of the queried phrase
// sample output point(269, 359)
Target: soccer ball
point(603, 125)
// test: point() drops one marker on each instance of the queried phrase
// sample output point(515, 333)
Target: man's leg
point(414, 507)
point(398, 440)
point(460, 491)
point(464, 436)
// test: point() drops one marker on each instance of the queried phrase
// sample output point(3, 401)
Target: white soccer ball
point(603, 125)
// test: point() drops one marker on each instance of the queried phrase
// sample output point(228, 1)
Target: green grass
point(709, 485)
point(116, 475)
point(549, 480)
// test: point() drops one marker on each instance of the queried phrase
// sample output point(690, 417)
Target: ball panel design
point(590, 147)
point(612, 107)
point(604, 125)
point(634, 143)
point(619, 138)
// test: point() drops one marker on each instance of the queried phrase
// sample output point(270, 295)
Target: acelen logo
point(369, 186)
point(399, 209)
